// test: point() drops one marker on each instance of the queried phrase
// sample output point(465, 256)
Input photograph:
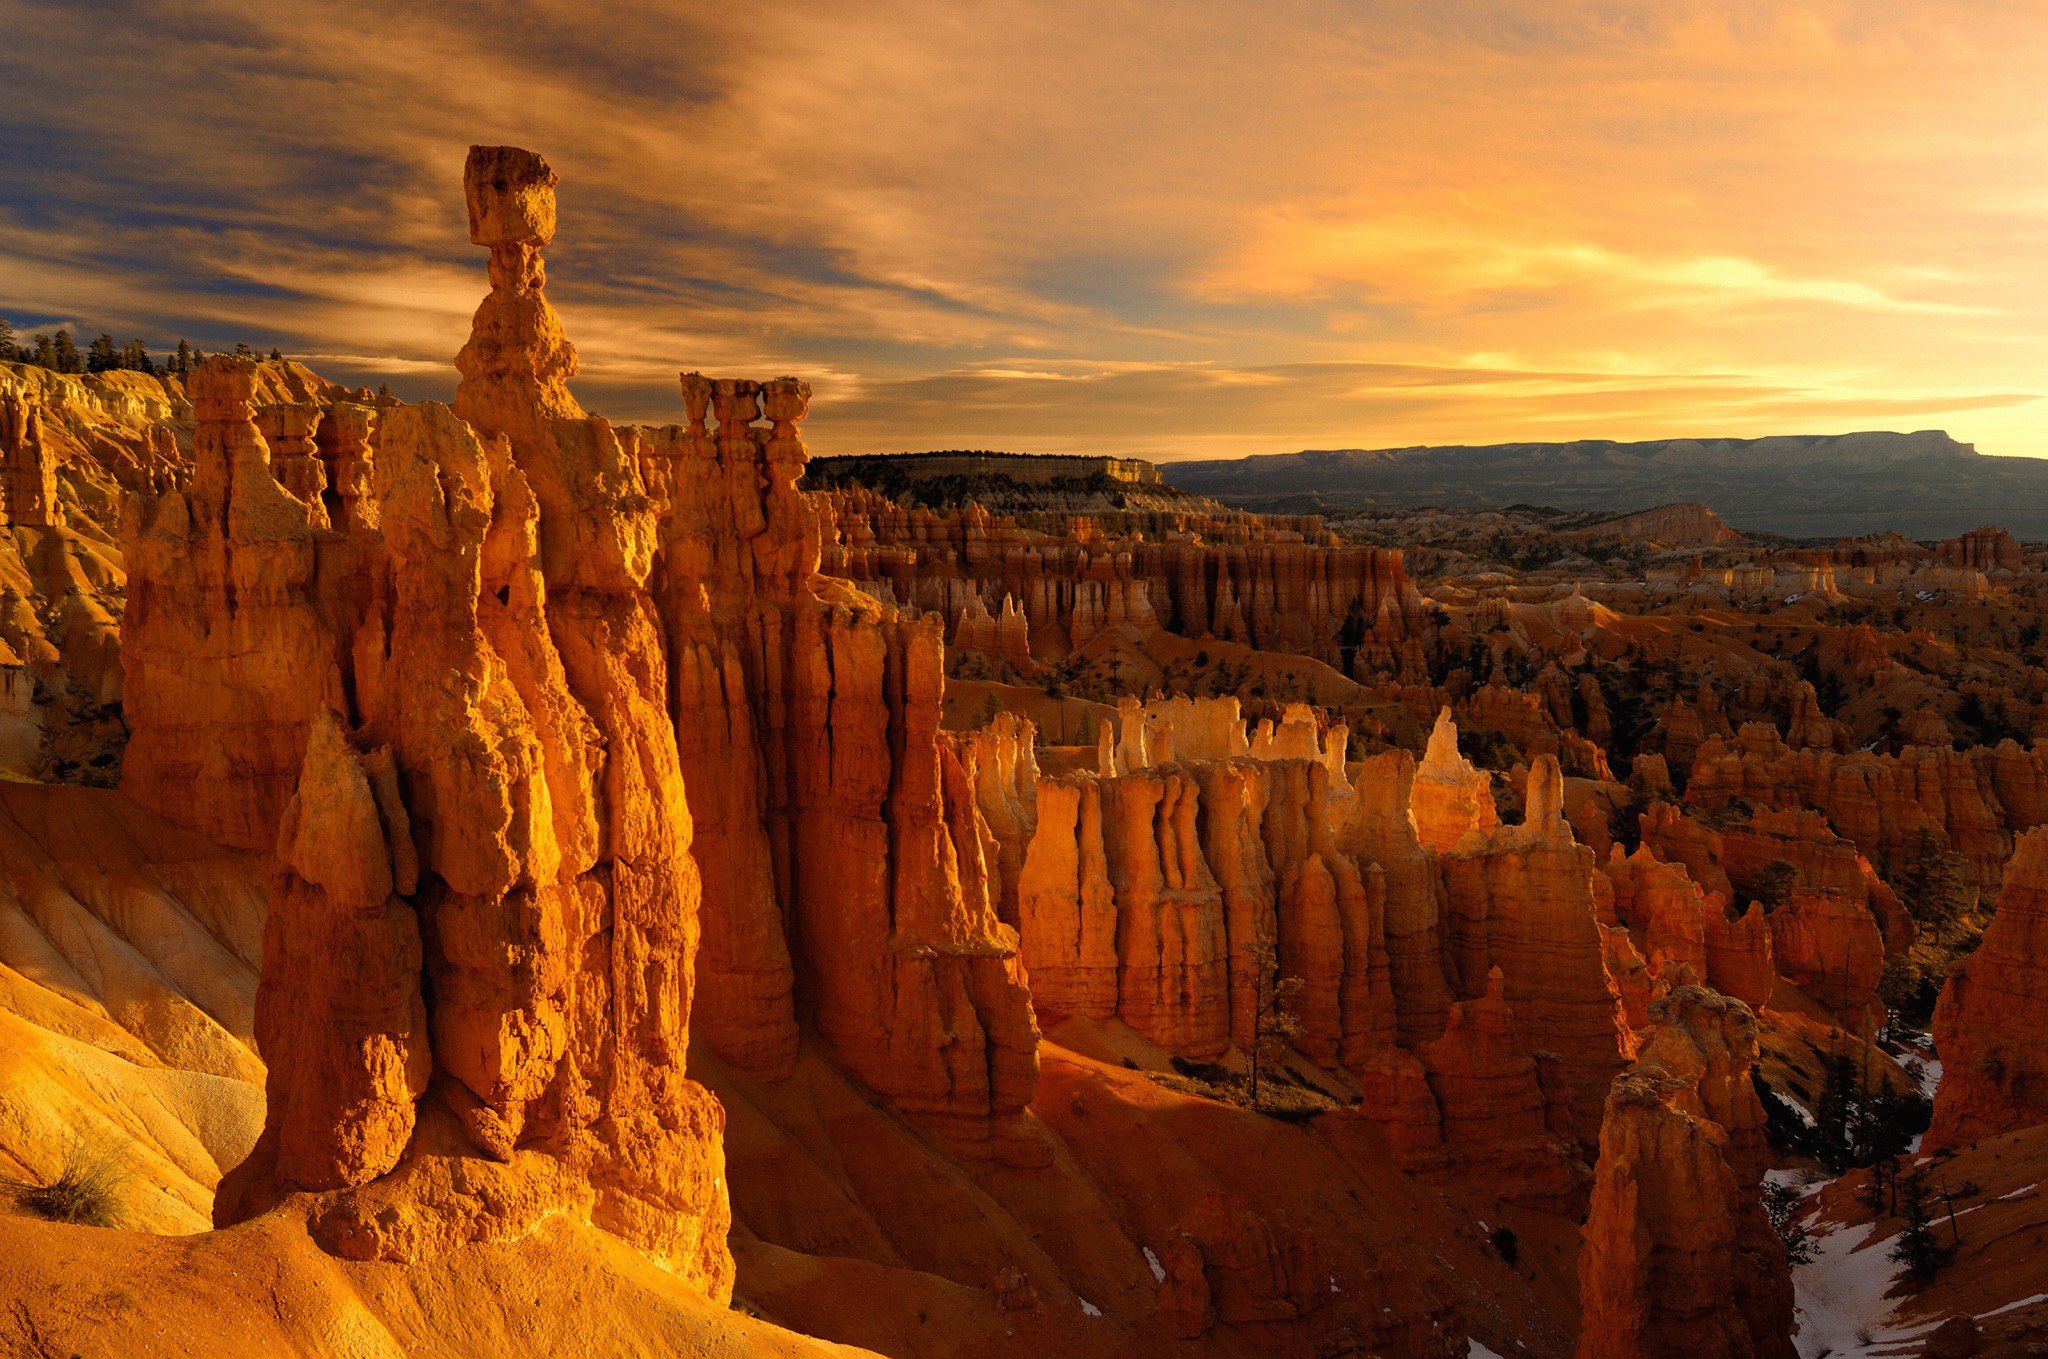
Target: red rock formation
point(1449, 796)
point(28, 469)
point(1665, 911)
point(1985, 548)
point(1828, 944)
point(1378, 828)
point(1825, 862)
point(1521, 900)
point(1172, 948)
point(1066, 908)
point(1740, 961)
point(500, 610)
point(1678, 1257)
point(1880, 802)
point(1989, 1024)
point(1160, 878)
point(1239, 578)
point(347, 1050)
point(1491, 1102)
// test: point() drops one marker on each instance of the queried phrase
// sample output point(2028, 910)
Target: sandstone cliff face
point(1879, 802)
point(844, 828)
point(1989, 1023)
point(499, 645)
point(1003, 587)
point(1521, 899)
point(1678, 1257)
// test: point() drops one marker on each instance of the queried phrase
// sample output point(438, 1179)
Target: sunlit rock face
point(458, 668)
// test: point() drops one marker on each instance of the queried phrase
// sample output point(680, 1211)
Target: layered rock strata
point(1281, 585)
point(1678, 1256)
point(1991, 1023)
point(542, 678)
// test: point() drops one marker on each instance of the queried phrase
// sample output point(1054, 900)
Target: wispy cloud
point(1055, 226)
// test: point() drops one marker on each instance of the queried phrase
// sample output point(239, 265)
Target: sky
point(1164, 230)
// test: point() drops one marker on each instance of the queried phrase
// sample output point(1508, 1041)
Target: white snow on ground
point(1158, 1270)
point(1841, 1293)
point(1479, 1351)
point(1925, 1070)
point(1089, 1309)
point(2012, 1306)
point(1807, 1181)
point(2022, 1192)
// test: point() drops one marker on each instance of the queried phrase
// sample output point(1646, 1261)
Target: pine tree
point(1882, 1173)
point(7, 350)
point(135, 358)
point(45, 353)
point(243, 351)
point(1834, 1113)
point(1085, 735)
point(1917, 1247)
point(1781, 1205)
point(1773, 883)
point(1934, 891)
point(986, 713)
point(69, 360)
point(183, 363)
point(1274, 1026)
point(101, 356)
point(276, 357)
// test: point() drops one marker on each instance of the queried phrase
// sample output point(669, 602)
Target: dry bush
point(86, 1192)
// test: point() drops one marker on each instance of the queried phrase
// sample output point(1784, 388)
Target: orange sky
point(1170, 230)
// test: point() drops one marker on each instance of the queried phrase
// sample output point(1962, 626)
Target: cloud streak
point(1237, 228)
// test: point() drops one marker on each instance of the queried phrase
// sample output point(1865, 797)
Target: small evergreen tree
point(1773, 883)
point(1781, 1206)
point(1274, 1025)
point(101, 355)
point(1883, 1174)
point(986, 713)
point(1917, 1247)
point(44, 354)
point(182, 364)
point(7, 350)
point(1835, 1112)
point(69, 360)
point(1932, 885)
point(1898, 989)
point(135, 358)
point(242, 351)
point(276, 357)
point(1085, 734)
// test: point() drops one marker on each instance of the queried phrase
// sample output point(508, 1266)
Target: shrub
point(87, 1190)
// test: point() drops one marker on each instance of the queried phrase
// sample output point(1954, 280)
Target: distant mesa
point(1925, 484)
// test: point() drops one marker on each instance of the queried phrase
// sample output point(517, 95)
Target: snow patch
point(1152, 1263)
point(1476, 1350)
point(1840, 1293)
point(2024, 1191)
point(1089, 1309)
point(2012, 1306)
point(1807, 1181)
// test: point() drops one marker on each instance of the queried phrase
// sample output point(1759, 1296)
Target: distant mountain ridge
point(1925, 483)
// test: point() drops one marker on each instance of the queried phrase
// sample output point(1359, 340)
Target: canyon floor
point(482, 878)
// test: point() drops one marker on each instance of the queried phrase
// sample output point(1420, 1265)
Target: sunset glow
point(1170, 231)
